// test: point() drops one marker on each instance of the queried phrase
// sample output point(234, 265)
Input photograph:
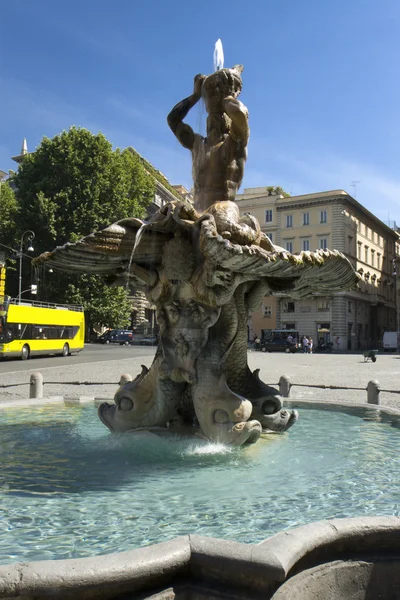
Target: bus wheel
point(25, 352)
point(65, 351)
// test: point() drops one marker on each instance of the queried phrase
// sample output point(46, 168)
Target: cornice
point(310, 202)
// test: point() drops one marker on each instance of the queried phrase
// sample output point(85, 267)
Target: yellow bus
point(39, 328)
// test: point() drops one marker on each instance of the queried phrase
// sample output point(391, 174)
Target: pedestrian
point(305, 344)
point(257, 342)
point(337, 342)
point(310, 345)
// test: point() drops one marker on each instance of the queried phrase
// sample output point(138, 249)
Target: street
point(91, 353)
point(96, 372)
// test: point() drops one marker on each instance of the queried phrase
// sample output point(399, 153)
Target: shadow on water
point(58, 458)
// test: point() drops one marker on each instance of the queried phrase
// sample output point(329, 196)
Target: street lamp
point(30, 237)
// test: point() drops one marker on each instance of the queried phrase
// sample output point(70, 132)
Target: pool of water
point(69, 488)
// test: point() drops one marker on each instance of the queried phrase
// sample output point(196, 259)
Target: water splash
point(139, 234)
point(218, 56)
point(208, 448)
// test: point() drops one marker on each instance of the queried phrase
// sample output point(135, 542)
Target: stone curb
point(255, 569)
point(360, 409)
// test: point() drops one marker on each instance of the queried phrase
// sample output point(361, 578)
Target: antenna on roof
point(354, 185)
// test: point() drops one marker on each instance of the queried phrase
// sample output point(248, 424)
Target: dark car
point(151, 340)
point(279, 345)
point(117, 336)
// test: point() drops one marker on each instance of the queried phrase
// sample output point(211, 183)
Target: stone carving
point(204, 268)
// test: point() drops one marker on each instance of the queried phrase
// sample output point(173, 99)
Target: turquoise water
point(69, 488)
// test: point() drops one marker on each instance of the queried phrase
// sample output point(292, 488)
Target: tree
point(104, 306)
point(277, 191)
point(75, 183)
point(8, 232)
point(8, 214)
point(72, 185)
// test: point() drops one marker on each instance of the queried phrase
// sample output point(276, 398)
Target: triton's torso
point(217, 170)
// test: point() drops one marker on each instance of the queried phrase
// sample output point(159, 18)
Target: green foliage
point(72, 185)
point(277, 191)
point(104, 306)
point(8, 215)
point(75, 184)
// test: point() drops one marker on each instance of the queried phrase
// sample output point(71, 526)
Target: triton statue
point(205, 268)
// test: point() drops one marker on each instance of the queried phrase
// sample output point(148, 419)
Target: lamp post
point(30, 237)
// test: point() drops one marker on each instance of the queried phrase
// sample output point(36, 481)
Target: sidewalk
point(326, 369)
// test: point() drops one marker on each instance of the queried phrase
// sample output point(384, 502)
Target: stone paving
point(328, 369)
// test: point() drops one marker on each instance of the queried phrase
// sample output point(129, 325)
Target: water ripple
point(70, 489)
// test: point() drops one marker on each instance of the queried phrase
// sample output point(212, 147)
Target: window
point(268, 216)
point(366, 254)
point(306, 245)
point(270, 236)
point(378, 260)
point(306, 218)
point(349, 307)
point(158, 201)
point(288, 307)
point(267, 312)
point(367, 231)
point(323, 243)
point(289, 246)
point(24, 331)
point(359, 250)
point(372, 258)
point(323, 216)
point(324, 305)
point(289, 221)
point(350, 244)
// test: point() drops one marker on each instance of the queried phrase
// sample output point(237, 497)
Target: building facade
point(330, 220)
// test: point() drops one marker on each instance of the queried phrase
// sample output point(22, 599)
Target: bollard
point(36, 386)
point(284, 386)
point(124, 379)
point(373, 391)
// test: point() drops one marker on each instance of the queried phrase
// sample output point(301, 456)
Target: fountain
point(204, 267)
point(71, 490)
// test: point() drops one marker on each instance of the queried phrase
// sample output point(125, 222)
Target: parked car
point(279, 345)
point(324, 347)
point(151, 340)
point(391, 341)
point(117, 336)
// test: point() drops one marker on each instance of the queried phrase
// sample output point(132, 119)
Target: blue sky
point(321, 84)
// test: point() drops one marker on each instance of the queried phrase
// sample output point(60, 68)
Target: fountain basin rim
point(234, 565)
point(364, 410)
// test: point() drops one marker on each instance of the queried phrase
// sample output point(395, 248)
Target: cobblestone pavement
point(348, 370)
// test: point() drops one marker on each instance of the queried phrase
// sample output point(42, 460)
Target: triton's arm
point(239, 115)
point(182, 131)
